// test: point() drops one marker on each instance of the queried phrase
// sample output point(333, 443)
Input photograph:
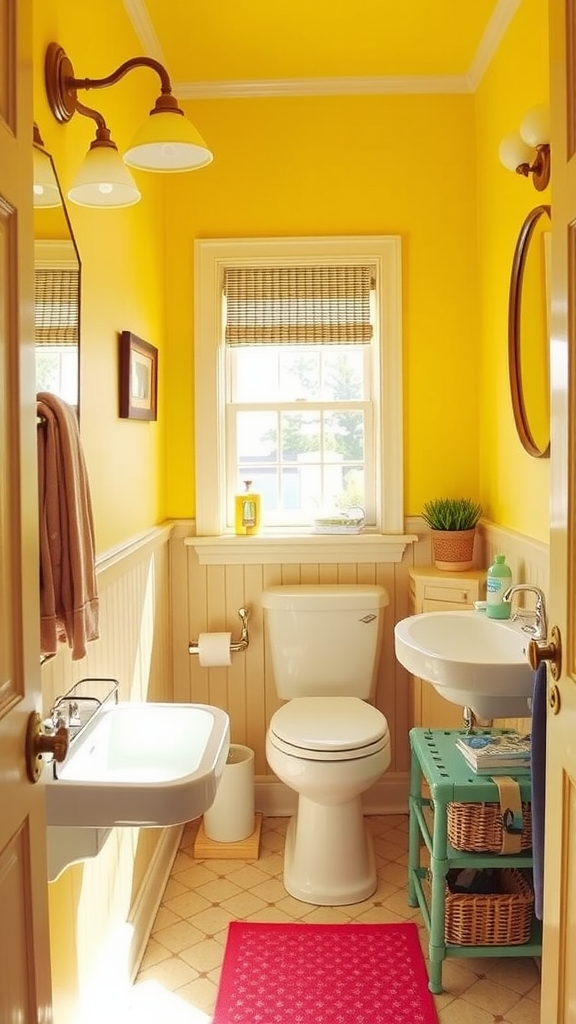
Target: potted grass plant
point(452, 522)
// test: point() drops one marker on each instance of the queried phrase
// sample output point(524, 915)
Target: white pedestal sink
point(469, 659)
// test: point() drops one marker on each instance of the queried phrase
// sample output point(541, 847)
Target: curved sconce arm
point(102, 129)
point(134, 62)
point(62, 84)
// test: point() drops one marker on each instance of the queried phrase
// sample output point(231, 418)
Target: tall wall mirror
point(57, 271)
point(529, 333)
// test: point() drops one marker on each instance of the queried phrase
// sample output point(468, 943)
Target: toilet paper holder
point(235, 645)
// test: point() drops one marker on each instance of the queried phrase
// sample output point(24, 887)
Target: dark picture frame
point(138, 378)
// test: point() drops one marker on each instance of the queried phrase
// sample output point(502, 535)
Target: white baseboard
point(388, 796)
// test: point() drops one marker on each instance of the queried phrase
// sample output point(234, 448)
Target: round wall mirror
point(529, 333)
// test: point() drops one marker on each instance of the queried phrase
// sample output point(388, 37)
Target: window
point(298, 366)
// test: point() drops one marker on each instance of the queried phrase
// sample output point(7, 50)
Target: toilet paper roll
point(214, 649)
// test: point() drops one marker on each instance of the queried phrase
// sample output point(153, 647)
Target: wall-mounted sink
point(140, 764)
point(469, 659)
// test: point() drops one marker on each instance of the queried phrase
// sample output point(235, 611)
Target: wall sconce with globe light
point(166, 142)
point(527, 151)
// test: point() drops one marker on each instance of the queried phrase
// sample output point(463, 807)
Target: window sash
point(297, 517)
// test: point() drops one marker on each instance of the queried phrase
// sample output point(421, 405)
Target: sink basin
point(140, 764)
point(469, 659)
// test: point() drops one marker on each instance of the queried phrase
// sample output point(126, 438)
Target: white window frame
point(212, 256)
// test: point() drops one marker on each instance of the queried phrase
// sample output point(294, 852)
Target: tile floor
point(178, 978)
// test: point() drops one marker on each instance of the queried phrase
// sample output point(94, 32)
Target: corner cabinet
point(433, 590)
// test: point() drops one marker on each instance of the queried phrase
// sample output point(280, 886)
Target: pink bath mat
point(323, 974)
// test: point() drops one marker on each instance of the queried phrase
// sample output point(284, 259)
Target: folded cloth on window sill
point(69, 604)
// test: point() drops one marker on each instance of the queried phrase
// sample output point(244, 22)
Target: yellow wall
point(514, 487)
point(424, 167)
point(347, 165)
point(122, 253)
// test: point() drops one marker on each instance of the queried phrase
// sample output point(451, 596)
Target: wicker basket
point(478, 827)
point(501, 918)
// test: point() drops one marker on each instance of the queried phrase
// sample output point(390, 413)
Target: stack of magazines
point(492, 754)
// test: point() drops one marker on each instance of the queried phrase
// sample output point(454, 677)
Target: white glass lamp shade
point(514, 152)
point(104, 180)
point(167, 141)
point(535, 126)
point(45, 191)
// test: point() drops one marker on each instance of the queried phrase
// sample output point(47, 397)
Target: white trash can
point(231, 816)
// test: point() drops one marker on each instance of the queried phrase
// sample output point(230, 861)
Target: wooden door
point(24, 951)
point(559, 940)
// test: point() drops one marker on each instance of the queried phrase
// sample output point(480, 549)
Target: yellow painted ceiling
point(231, 40)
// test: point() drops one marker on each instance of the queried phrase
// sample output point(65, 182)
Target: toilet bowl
point(329, 750)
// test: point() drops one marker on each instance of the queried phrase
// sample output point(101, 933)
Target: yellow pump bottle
point(247, 512)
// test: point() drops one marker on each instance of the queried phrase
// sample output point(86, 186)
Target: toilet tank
point(324, 639)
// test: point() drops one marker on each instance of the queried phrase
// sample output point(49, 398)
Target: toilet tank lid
point(321, 596)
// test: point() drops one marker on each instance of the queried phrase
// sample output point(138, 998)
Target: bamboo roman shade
point(298, 305)
point(57, 314)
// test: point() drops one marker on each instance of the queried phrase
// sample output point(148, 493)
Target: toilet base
point(328, 855)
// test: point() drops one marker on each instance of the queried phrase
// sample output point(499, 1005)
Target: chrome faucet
point(540, 628)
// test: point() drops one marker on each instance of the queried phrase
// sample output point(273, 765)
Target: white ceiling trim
point(144, 29)
point(493, 34)
point(345, 86)
point(357, 86)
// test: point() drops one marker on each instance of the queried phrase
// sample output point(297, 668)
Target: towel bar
point(236, 645)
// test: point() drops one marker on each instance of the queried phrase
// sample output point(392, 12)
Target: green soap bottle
point(497, 582)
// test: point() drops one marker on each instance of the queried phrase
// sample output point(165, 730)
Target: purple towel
point(538, 774)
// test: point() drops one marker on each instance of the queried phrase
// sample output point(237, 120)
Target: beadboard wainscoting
point(101, 910)
point(207, 598)
point(529, 561)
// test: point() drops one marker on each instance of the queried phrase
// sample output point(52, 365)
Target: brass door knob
point(39, 742)
point(550, 651)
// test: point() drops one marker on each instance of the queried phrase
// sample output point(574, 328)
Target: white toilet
point(327, 743)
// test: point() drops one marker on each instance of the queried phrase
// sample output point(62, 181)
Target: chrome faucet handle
point(540, 615)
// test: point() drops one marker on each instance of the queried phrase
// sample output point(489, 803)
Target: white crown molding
point(144, 29)
point(493, 34)
point(376, 85)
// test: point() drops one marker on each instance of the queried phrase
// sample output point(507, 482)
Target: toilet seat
point(329, 728)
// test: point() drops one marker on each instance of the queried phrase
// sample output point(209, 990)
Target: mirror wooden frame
point(521, 419)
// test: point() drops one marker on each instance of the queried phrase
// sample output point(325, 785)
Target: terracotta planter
point(453, 549)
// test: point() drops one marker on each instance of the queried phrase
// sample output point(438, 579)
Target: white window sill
point(276, 547)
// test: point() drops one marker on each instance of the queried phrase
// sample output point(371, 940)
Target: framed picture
point(138, 378)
